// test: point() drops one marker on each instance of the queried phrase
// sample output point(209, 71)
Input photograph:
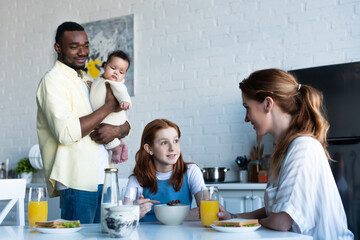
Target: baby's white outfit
point(97, 98)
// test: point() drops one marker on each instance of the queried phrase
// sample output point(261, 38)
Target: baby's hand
point(89, 83)
point(114, 161)
point(125, 106)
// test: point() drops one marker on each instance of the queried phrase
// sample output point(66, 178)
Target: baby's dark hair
point(120, 54)
point(66, 26)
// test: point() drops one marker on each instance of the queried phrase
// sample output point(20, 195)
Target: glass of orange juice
point(209, 205)
point(38, 205)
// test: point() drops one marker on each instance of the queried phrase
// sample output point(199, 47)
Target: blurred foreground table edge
point(149, 231)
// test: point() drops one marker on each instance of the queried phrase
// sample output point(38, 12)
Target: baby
point(115, 70)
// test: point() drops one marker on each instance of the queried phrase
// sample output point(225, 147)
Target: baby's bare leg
point(124, 154)
point(116, 154)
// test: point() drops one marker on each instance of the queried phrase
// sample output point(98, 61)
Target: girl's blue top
point(166, 193)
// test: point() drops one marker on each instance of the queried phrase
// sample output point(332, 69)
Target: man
point(74, 160)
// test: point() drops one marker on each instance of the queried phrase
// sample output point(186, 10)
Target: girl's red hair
point(144, 170)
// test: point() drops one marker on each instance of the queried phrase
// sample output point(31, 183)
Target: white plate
point(57, 230)
point(35, 157)
point(235, 229)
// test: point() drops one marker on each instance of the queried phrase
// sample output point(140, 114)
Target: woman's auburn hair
point(144, 170)
point(303, 102)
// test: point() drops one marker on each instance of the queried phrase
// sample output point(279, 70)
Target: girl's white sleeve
point(195, 178)
point(133, 182)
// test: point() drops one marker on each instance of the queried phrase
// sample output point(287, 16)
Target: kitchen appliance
point(215, 174)
point(340, 85)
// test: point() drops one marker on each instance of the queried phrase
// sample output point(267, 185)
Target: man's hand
point(111, 100)
point(91, 122)
point(105, 133)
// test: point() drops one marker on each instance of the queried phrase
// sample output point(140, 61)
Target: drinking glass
point(129, 197)
point(38, 205)
point(209, 205)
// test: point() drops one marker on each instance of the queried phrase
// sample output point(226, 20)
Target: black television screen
point(340, 85)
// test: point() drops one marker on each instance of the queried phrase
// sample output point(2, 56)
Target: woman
point(301, 195)
point(161, 173)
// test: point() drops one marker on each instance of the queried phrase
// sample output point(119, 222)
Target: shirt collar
point(74, 73)
point(71, 71)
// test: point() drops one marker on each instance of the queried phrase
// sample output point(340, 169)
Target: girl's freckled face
point(165, 148)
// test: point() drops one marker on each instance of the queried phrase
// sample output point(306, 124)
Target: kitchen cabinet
point(239, 201)
point(241, 197)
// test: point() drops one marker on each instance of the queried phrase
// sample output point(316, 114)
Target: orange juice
point(209, 211)
point(37, 211)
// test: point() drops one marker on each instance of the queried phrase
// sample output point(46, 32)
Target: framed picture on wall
point(106, 36)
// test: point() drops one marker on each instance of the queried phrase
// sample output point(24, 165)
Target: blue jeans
point(81, 205)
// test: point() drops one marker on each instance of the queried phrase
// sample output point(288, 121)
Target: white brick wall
point(189, 57)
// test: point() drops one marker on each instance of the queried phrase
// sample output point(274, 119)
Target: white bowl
point(171, 215)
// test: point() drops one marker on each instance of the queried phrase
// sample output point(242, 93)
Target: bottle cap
point(111, 169)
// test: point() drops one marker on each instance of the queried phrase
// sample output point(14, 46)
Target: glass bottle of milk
point(110, 194)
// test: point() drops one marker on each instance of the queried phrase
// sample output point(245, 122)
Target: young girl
point(161, 173)
point(301, 194)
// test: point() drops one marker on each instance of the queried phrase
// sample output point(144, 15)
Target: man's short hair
point(66, 26)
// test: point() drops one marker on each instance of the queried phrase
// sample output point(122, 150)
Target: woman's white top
point(195, 179)
point(306, 190)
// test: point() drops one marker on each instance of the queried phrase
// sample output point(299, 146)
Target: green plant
point(23, 165)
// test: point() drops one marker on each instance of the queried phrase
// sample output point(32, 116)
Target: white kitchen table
point(149, 231)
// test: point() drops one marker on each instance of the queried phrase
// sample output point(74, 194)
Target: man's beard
point(78, 67)
point(75, 67)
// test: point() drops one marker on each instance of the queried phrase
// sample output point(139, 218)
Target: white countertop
point(220, 185)
point(238, 186)
point(150, 231)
